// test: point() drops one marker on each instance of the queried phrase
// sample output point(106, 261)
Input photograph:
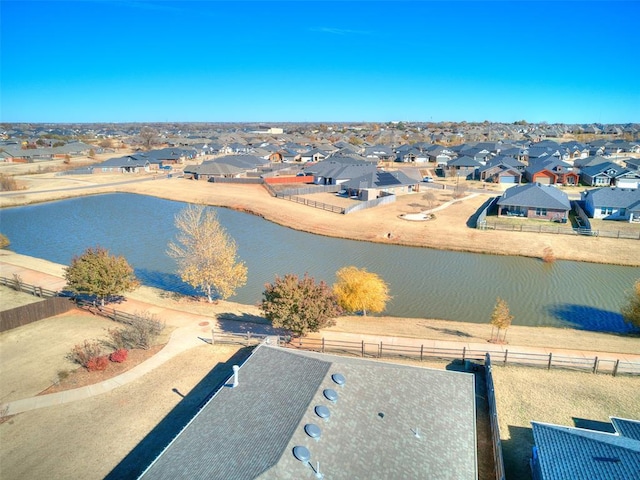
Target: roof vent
point(331, 395)
point(236, 369)
point(322, 412)
point(312, 430)
point(301, 453)
point(339, 379)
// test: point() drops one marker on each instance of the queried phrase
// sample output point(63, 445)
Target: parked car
point(427, 179)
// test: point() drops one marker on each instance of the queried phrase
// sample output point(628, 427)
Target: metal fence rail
point(560, 229)
point(498, 461)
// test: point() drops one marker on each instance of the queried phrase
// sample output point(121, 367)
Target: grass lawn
point(559, 397)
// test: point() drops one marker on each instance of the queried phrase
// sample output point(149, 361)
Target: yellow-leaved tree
point(206, 254)
point(360, 291)
point(501, 319)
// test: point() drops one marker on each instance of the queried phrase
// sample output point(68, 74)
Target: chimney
point(236, 369)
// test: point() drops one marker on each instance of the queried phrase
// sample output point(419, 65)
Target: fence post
point(549, 364)
point(506, 352)
point(595, 365)
point(421, 351)
point(322, 344)
point(363, 348)
point(615, 368)
point(380, 351)
point(464, 351)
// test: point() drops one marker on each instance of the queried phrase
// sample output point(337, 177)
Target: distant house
point(551, 170)
point(288, 414)
point(379, 183)
point(126, 164)
point(499, 173)
point(463, 167)
point(229, 166)
point(536, 201)
point(313, 155)
point(613, 203)
point(383, 153)
point(609, 173)
point(335, 172)
point(562, 453)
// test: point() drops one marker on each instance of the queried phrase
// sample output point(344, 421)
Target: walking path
point(193, 329)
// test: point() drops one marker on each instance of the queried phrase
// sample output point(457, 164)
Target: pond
point(423, 282)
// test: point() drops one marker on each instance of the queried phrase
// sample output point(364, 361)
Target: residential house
point(612, 203)
point(383, 153)
point(126, 164)
point(463, 167)
point(228, 166)
point(380, 183)
point(338, 170)
point(551, 170)
point(413, 155)
point(536, 201)
point(562, 453)
point(313, 155)
point(288, 414)
point(500, 172)
point(609, 173)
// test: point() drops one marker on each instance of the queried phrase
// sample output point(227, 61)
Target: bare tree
point(149, 136)
point(501, 319)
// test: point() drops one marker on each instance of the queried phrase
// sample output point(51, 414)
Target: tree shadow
point(473, 219)
point(247, 323)
point(516, 452)
point(606, 427)
point(152, 445)
point(165, 281)
point(592, 319)
point(450, 331)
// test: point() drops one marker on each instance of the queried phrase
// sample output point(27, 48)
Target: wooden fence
point(560, 229)
point(422, 352)
point(25, 314)
point(498, 461)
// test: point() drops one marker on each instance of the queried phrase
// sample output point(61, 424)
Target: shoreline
point(384, 225)
point(400, 327)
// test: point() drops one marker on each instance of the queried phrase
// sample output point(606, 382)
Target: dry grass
point(547, 337)
point(557, 396)
point(88, 439)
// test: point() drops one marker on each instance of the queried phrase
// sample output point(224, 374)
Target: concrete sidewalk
point(193, 329)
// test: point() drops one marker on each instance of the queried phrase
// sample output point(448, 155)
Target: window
point(603, 211)
point(541, 212)
point(623, 212)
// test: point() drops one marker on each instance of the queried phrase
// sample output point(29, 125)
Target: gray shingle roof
point(613, 197)
point(250, 431)
point(536, 196)
point(578, 454)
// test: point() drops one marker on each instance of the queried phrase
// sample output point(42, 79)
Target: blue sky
point(264, 61)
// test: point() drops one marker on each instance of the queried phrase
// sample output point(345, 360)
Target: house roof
point(380, 179)
point(464, 161)
point(613, 197)
point(609, 169)
point(394, 421)
point(535, 195)
point(580, 454)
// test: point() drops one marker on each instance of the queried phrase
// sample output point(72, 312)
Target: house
point(413, 155)
point(126, 164)
point(287, 414)
point(228, 166)
point(551, 170)
point(463, 167)
point(313, 155)
point(380, 183)
point(562, 453)
point(535, 200)
point(613, 203)
point(609, 173)
point(499, 172)
point(338, 170)
point(381, 153)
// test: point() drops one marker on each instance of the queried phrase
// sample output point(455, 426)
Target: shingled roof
point(580, 454)
point(535, 195)
point(388, 421)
